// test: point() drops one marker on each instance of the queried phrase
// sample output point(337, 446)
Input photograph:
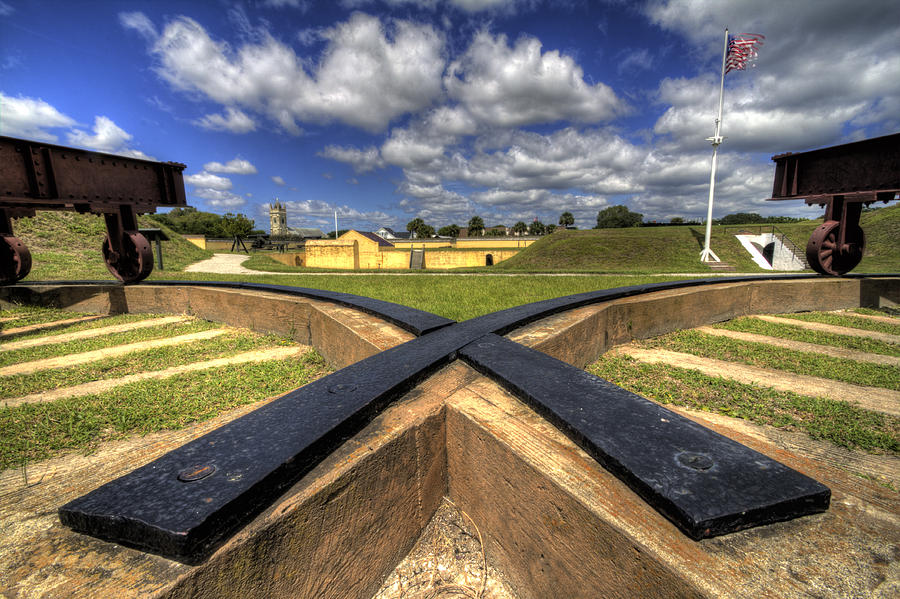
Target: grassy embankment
point(66, 246)
point(677, 249)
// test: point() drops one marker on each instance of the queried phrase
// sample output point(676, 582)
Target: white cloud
point(506, 6)
point(235, 166)
point(278, 180)
point(140, 23)
point(513, 86)
point(409, 148)
point(634, 60)
point(30, 118)
point(825, 65)
point(233, 120)
point(318, 213)
point(107, 137)
point(5, 9)
point(303, 5)
point(362, 161)
point(208, 181)
point(218, 198)
point(369, 73)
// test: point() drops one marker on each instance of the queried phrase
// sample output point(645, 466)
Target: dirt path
point(260, 355)
point(91, 356)
point(830, 328)
point(870, 398)
point(226, 264)
point(88, 333)
point(839, 352)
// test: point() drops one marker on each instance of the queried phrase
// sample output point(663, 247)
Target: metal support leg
point(127, 253)
point(15, 259)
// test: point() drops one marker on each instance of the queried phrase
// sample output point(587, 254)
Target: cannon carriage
point(842, 179)
point(38, 176)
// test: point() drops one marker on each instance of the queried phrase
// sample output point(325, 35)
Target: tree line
point(190, 221)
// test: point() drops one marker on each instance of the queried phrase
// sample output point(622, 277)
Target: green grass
point(749, 324)
point(30, 315)
point(778, 358)
point(66, 246)
point(846, 320)
point(49, 330)
point(656, 249)
point(40, 352)
point(882, 229)
point(885, 311)
point(458, 297)
point(152, 359)
point(39, 431)
point(838, 422)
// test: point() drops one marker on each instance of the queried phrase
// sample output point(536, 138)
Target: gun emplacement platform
point(843, 179)
point(39, 176)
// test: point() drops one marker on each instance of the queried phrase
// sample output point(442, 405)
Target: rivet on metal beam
point(195, 473)
point(695, 461)
point(342, 388)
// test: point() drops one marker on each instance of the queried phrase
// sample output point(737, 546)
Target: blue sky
point(386, 110)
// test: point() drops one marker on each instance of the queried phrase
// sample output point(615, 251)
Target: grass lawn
point(786, 331)
point(158, 358)
point(778, 358)
point(836, 421)
point(40, 352)
point(847, 320)
point(39, 431)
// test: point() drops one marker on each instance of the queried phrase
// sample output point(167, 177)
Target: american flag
point(742, 49)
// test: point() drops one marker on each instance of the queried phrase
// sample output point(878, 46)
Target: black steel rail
point(186, 502)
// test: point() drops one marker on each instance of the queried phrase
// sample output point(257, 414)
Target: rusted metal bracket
point(38, 176)
point(842, 179)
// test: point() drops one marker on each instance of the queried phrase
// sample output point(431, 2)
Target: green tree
point(741, 218)
point(449, 231)
point(413, 225)
point(536, 228)
point(425, 231)
point(495, 233)
point(566, 219)
point(235, 225)
point(476, 226)
point(618, 217)
point(520, 228)
point(677, 221)
point(549, 228)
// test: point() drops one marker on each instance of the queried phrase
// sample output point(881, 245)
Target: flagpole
point(707, 255)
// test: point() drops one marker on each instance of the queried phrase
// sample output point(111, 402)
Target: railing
point(777, 233)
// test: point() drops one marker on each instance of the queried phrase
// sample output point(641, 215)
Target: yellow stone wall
point(326, 253)
point(462, 258)
point(354, 251)
point(495, 242)
point(419, 244)
point(289, 258)
point(222, 244)
point(198, 240)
